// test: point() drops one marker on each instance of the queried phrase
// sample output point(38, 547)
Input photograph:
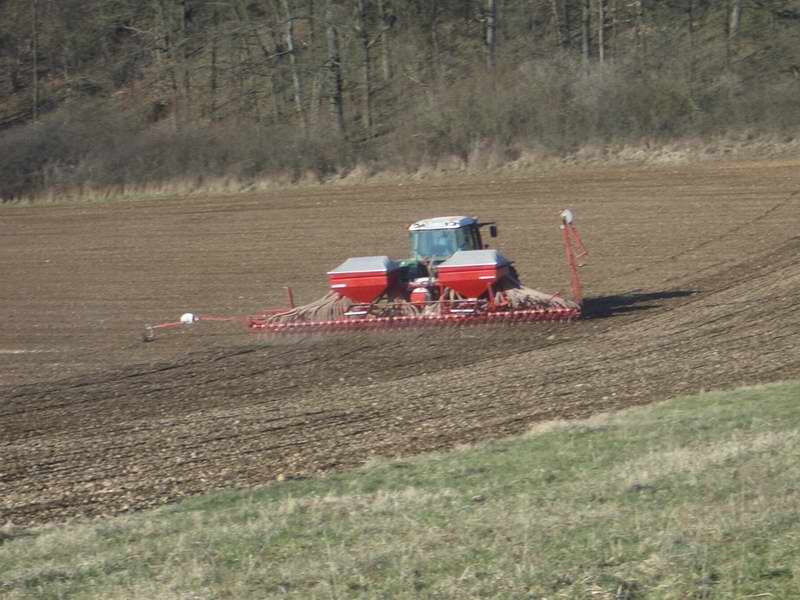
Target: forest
point(125, 94)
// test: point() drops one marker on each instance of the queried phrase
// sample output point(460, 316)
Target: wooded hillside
point(98, 93)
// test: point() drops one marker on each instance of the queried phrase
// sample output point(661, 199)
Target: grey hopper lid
point(366, 264)
point(476, 258)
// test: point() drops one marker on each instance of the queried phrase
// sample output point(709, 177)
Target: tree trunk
point(185, 54)
point(491, 34)
point(434, 60)
point(387, 22)
point(531, 20)
point(15, 75)
point(362, 27)
point(735, 19)
point(612, 17)
point(172, 50)
point(691, 24)
point(726, 25)
point(732, 25)
point(335, 67)
point(555, 7)
point(602, 22)
point(213, 82)
point(297, 85)
point(165, 59)
point(35, 7)
point(561, 22)
point(316, 51)
point(586, 34)
point(160, 42)
point(640, 33)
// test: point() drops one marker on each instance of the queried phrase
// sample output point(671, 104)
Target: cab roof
point(443, 223)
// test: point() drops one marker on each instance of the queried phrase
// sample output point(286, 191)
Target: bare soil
point(692, 283)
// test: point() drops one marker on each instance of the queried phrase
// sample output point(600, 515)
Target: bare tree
point(586, 36)
point(530, 14)
point(387, 22)
point(213, 84)
point(435, 71)
point(35, 42)
point(362, 28)
point(491, 34)
point(602, 23)
point(640, 32)
point(558, 21)
point(735, 22)
point(335, 68)
point(612, 27)
point(167, 53)
point(297, 84)
point(316, 49)
point(690, 18)
point(187, 26)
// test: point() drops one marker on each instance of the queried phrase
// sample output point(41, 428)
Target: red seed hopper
point(365, 278)
point(473, 273)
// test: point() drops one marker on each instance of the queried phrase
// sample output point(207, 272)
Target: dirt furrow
point(692, 284)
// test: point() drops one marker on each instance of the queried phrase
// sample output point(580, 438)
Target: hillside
point(98, 96)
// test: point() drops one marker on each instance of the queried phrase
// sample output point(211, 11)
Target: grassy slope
point(696, 497)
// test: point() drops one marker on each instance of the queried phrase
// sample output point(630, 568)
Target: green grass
point(693, 498)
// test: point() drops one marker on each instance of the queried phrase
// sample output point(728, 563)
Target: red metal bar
point(198, 318)
point(216, 318)
point(574, 248)
point(582, 251)
point(534, 314)
point(169, 325)
point(577, 293)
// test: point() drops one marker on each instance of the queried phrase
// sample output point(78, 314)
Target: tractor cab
point(435, 240)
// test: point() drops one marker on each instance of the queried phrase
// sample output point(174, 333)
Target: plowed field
point(693, 283)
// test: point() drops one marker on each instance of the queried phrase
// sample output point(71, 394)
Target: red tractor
point(451, 278)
